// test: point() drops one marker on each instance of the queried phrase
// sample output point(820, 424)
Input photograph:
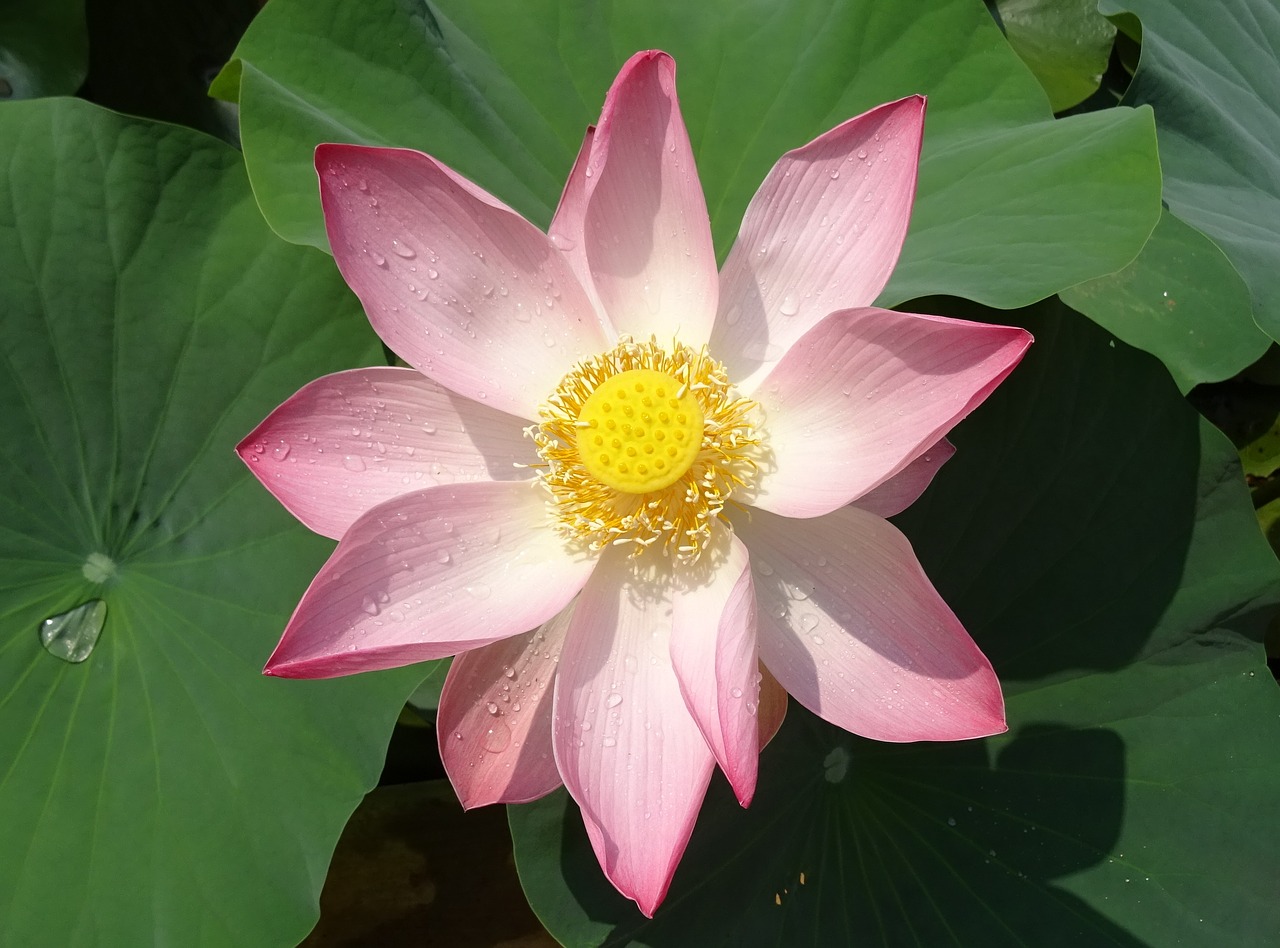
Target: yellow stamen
point(645, 444)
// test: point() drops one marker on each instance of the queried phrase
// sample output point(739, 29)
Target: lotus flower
point(640, 500)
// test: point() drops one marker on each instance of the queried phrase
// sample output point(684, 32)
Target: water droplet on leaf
point(72, 635)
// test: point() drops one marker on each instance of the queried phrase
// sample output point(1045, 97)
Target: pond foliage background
point(1104, 176)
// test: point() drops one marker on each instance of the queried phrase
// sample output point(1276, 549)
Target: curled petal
point(904, 488)
point(627, 748)
point(347, 442)
point(852, 628)
point(431, 574)
point(822, 233)
point(494, 725)
point(462, 287)
point(773, 707)
point(866, 392)
point(713, 652)
point(648, 238)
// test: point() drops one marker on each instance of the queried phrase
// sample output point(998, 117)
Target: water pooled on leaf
point(72, 635)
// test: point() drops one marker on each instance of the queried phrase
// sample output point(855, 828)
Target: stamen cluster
point(678, 519)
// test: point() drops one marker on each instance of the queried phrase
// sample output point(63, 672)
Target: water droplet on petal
point(497, 738)
point(353, 462)
point(736, 692)
point(561, 242)
point(478, 591)
point(613, 700)
point(609, 742)
point(835, 173)
point(280, 451)
point(369, 606)
point(72, 635)
point(433, 274)
point(790, 306)
point(377, 258)
point(493, 708)
point(403, 251)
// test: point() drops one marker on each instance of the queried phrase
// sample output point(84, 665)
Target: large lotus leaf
point(44, 48)
point(162, 788)
point(1094, 534)
point(1212, 73)
point(1012, 206)
point(1182, 301)
point(1066, 43)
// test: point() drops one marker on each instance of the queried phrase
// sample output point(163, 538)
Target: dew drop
point(561, 242)
point(377, 258)
point(610, 742)
point(478, 591)
point(497, 738)
point(790, 306)
point(433, 274)
point(353, 462)
point(509, 672)
point(736, 692)
point(369, 606)
point(72, 635)
point(835, 173)
point(613, 700)
point(403, 251)
point(492, 708)
point(862, 153)
point(443, 557)
point(280, 451)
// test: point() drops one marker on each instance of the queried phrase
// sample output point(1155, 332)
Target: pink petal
point(494, 724)
point(904, 488)
point(822, 233)
point(773, 707)
point(568, 224)
point(627, 749)
point(713, 652)
point(852, 628)
point(648, 237)
point(866, 392)
point(430, 574)
point(462, 287)
point(350, 441)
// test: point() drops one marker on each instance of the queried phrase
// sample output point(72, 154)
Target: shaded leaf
point(1143, 721)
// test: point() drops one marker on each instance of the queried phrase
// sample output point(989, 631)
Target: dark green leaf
point(1066, 43)
point(1094, 535)
point(162, 788)
point(44, 48)
point(1182, 301)
point(1212, 73)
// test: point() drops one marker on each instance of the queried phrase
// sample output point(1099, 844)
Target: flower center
point(643, 446)
point(640, 431)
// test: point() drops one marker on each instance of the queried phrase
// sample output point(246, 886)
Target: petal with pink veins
point(822, 233)
point(904, 488)
point(569, 222)
point(648, 237)
point(628, 750)
point(494, 723)
point(866, 392)
point(853, 629)
point(459, 285)
point(713, 652)
point(431, 574)
point(347, 442)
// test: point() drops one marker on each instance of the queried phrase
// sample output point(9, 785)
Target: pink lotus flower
point(596, 429)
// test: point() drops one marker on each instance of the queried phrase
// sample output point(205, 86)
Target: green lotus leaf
point(153, 784)
point(1066, 43)
point(1213, 76)
point(1182, 301)
point(1012, 205)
